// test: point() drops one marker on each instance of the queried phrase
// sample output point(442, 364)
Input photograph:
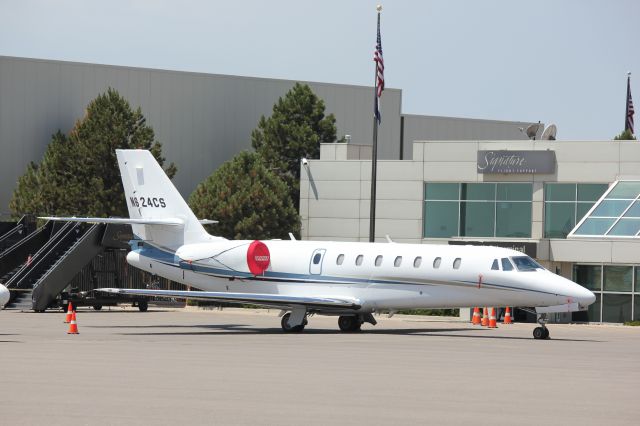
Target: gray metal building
point(202, 120)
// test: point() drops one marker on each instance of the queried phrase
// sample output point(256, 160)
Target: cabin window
point(456, 263)
point(379, 260)
point(506, 265)
point(340, 259)
point(398, 261)
point(494, 265)
point(359, 260)
point(436, 262)
point(316, 258)
point(417, 262)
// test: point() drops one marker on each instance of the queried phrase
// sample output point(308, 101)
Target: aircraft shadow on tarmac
point(242, 330)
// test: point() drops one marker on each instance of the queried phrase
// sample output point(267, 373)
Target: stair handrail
point(47, 227)
point(44, 254)
point(86, 233)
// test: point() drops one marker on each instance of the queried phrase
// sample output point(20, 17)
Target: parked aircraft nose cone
point(584, 297)
point(4, 296)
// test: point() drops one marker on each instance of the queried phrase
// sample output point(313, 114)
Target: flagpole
point(374, 152)
point(626, 109)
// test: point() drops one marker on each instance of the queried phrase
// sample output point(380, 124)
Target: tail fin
point(150, 195)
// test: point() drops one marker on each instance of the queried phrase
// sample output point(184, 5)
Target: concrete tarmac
point(237, 367)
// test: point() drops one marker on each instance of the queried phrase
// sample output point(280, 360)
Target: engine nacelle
point(258, 257)
point(242, 256)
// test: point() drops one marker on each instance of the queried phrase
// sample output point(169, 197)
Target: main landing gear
point(349, 323)
point(296, 320)
point(352, 323)
point(541, 332)
point(287, 327)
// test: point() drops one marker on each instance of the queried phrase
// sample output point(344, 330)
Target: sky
point(562, 62)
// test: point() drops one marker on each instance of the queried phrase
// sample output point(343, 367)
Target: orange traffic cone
point(475, 319)
point(73, 325)
point(492, 319)
point(507, 316)
point(67, 319)
point(485, 317)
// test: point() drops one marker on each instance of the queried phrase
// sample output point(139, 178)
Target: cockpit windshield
point(525, 263)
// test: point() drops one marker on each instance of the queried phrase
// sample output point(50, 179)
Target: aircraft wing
point(270, 300)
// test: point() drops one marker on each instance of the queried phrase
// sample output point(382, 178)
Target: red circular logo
point(258, 257)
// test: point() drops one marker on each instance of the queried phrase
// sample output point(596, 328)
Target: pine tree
point(294, 130)
point(248, 200)
point(626, 135)
point(79, 173)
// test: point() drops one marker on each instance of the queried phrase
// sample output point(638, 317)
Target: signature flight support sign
point(517, 162)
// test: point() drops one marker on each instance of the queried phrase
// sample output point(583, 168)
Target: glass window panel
point(436, 262)
point(513, 220)
point(441, 219)
point(514, 192)
point(617, 278)
point(378, 260)
point(494, 265)
point(625, 190)
point(594, 309)
point(478, 191)
point(591, 191)
point(559, 219)
point(610, 208)
point(477, 219)
point(588, 276)
point(506, 264)
point(340, 259)
point(398, 261)
point(442, 191)
point(616, 308)
point(625, 227)
point(634, 210)
point(560, 192)
point(417, 262)
point(637, 268)
point(636, 307)
point(456, 263)
point(595, 226)
point(582, 209)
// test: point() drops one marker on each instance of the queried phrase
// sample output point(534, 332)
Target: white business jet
point(4, 296)
point(344, 279)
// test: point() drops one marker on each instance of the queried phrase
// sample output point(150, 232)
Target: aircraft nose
point(584, 296)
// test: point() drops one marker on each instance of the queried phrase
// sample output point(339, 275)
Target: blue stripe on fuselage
point(169, 258)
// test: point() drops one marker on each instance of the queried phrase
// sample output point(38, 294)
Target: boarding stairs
point(49, 269)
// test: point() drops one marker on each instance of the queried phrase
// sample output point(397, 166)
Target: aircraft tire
point(539, 333)
point(97, 307)
point(143, 305)
point(284, 323)
point(349, 323)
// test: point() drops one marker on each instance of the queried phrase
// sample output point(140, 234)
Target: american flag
point(628, 123)
point(377, 57)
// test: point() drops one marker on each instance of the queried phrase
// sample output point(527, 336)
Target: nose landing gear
point(541, 332)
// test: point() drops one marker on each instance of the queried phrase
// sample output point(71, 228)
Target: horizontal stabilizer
point(274, 300)
point(170, 221)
